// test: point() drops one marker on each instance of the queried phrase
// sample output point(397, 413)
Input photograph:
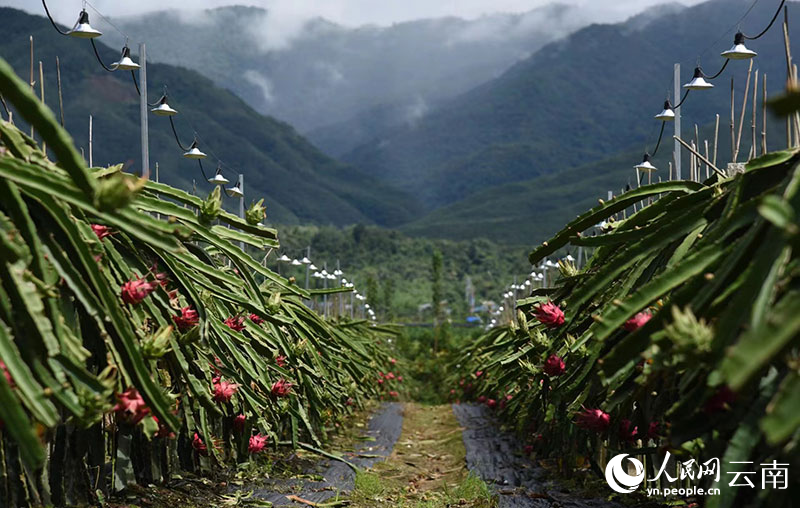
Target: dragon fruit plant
point(131, 315)
point(681, 331)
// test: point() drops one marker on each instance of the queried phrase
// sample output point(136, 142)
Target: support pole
point(677, 151)
point(308, 265)
point(241, 204)
point(91, 161)
point(143, 110)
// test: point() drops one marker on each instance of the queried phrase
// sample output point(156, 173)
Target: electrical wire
point(46, 10)
point(770, 23)
point(685, 95)
point(97, 54)
point(660, 135)
point(201, 170)
point(727, 61)
point(136, 84)
point(115, 27)
point(738, 23)
point(177, 139)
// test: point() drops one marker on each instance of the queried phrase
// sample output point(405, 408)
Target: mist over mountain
point(573, 103)
point(320, 73)
point(299, 182)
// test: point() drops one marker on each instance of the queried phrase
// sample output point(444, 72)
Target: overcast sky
point(346, 12)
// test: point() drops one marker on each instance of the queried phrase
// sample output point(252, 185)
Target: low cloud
point(262, 83)
point(293, 13)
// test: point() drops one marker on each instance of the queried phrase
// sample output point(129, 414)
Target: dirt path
point(325, 481)
point(426, 468)
point(496, 457)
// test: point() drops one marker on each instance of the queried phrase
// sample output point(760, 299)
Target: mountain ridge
point(299, 182)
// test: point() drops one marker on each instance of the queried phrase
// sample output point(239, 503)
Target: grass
point(426, 469)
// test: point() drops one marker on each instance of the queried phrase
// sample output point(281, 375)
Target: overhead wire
point(727, 60)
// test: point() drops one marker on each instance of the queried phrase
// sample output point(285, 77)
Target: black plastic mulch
point(497, 458)
point(384, 426)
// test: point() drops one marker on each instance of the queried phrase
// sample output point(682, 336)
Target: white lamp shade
point(83, 29)
point(739, 51)
point(163, 109)
point(195, 153)
point(305, 261)
point(284, 258)
point(125, 62)
point(218, 179)
point(645, 165)
point(234, 192)
point(296, 262)
point(667, 114)
point(698, 82)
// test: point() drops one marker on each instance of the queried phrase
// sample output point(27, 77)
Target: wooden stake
point(693, 165)
point(91, 162)
point(733, 122)
point(697, 144)
point(744, 109)
point(686, 145)
point(789, 71)
point(716, 141)
point(707, 170)
point(753, 150)
point(60, 97)
point(670, 171)
point(41, 88)
point(33, 83)
point(795, 116)
point(764, 115)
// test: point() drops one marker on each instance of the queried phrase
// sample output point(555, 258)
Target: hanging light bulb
point(739, 51)
point(163, 109)
point(125, 62)
point(667, 115)
point(698, 82)
point(218, 179)
point(195, 153)
point(645, 165)
point(235, 192)
point(83, 29)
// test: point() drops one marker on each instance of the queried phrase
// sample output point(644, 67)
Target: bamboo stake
point(693, 164)
point(41, 88)
point(707, 170)
point(60, 97)
point(795, 116)
point(789, 72)
point(696, 143)
point(686, 145)
point(733, 123)
point(764, 115)
point(716, 140)
point(670, 171)
point(753, 150)
point(744, 109)
point(33, 83)
point(91, 162)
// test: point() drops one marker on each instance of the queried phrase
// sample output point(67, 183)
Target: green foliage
point(370, 252)
point(713, 367)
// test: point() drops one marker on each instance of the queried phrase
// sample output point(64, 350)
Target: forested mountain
point(315, 73)
point(299, 182)
point(572, 104)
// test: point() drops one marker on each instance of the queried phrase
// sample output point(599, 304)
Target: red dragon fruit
point(549, 314)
